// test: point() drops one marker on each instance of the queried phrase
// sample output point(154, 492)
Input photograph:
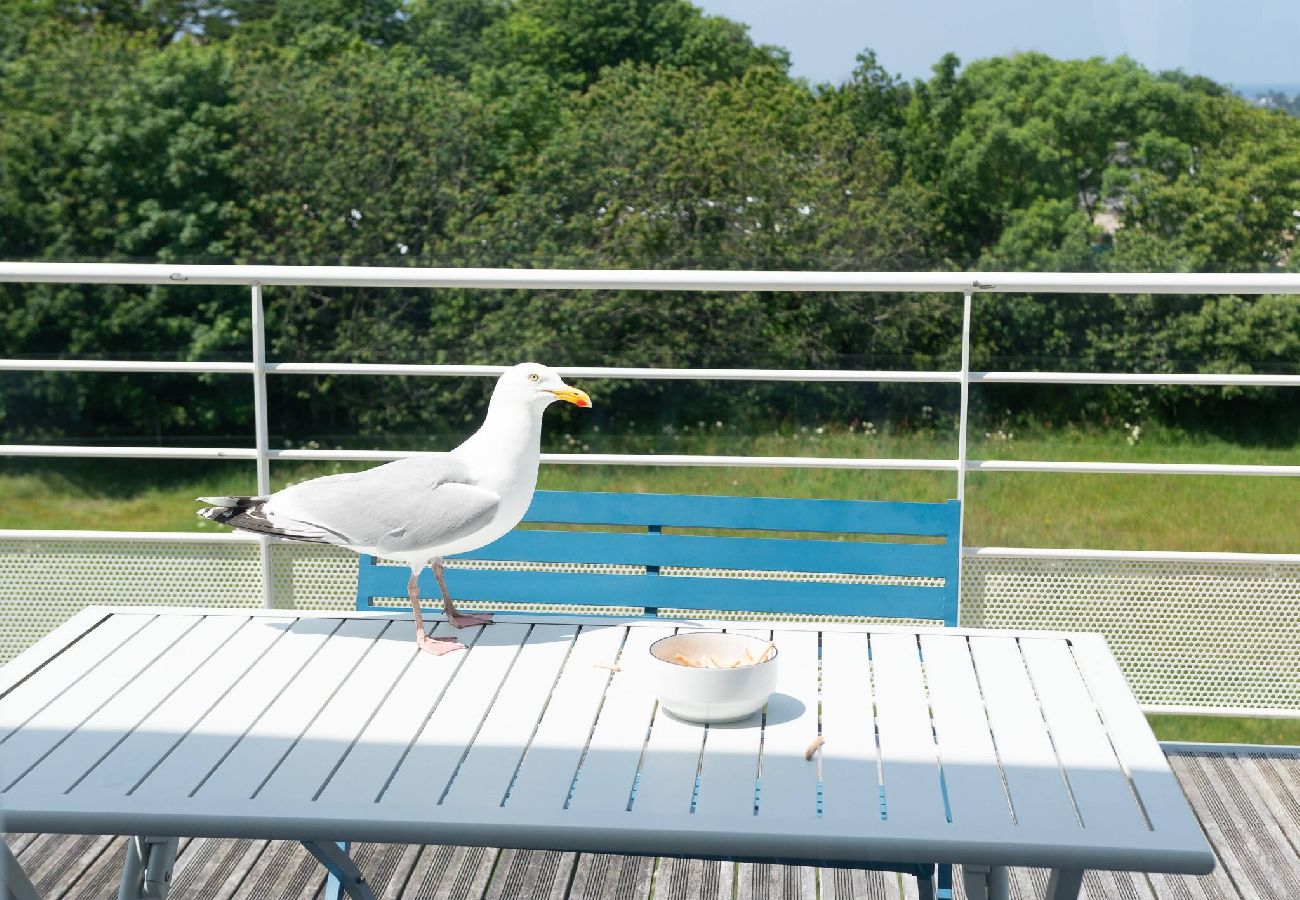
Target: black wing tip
point(251, 518)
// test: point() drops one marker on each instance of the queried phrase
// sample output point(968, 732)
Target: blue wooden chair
point(795, 537)
point(916, 544)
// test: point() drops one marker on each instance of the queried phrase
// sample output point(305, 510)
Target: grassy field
point(1129, 512)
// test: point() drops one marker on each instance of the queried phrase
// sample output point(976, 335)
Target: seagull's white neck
point(507, 446)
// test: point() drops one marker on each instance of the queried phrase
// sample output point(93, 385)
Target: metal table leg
point(1064, 884)
point(341, 866)
point(986, 882)
point(14, 882)
point(147, 868)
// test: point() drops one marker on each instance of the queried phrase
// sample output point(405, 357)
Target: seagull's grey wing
point(411, 504)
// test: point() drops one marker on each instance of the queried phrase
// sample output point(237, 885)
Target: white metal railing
point(576, 279)
point(968, 284)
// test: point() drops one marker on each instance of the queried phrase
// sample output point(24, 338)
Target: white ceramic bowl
point(707, 694)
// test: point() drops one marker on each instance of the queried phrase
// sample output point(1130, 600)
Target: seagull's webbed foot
point(455, 617)
point(458, 619)
point(437, 646)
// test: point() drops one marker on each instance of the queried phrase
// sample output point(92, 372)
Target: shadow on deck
point(1247, 803)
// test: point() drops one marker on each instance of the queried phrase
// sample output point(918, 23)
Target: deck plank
point(1249, 842)
point(283, 871)
point(450, 873)
point(860, 884)
point(760, 881)
point(531, 875)
point(606, 876)
point(1248, 803)
point(213, 868)
point(53, 862)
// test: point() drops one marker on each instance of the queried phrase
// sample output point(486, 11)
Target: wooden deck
point(1247, 802)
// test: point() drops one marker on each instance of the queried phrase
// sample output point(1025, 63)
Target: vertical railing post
point(260, 434)
point(961, 434)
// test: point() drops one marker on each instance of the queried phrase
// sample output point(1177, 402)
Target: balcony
point(1204, 633)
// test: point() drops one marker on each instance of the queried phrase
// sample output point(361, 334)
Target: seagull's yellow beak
point(573, 395)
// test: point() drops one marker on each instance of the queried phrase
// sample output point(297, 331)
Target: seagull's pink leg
point(437, 646)
point(454, 616)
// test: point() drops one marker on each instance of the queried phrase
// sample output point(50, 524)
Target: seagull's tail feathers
point(250, 514)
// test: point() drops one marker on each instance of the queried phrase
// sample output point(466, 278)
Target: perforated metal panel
point(313, 576)
point(44, 581)
point(1187, 633)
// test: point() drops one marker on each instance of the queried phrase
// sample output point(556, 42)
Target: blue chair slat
point(656, 550)
point(756, 513)
point(695, 551)
point(813, 598)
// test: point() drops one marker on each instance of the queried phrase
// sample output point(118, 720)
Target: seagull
point(420, 509)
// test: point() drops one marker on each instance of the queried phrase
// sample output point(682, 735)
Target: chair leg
point(341, 866)
point(14, 882)
point(925, 883)
point(1064, 884)
point(943, 890)
point(333, 887)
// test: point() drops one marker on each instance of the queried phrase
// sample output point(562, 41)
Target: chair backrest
point(852, 564)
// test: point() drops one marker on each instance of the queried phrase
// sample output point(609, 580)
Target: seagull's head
point(537, 386)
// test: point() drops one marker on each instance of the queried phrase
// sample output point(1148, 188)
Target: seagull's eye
point(534, 377)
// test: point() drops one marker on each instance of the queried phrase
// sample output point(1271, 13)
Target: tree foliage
point(625, 133)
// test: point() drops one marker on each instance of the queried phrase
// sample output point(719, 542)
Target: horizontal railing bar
point(1150, 555)
point(653, 374)
point(1135, 378)
point(1216, 747)
point(980, 552)
point(125, 365)
point(72, 450)
point(665, 459)
point(655, 279)
point(1235, 711)
point(634, 373)
point(189, 537)
point(1123, 468)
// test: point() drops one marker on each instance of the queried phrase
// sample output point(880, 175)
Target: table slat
point(1034, 780)
point(52, 680)
point(217, 731)
point(1135, 744)
point(609, 767)
point(486, 772)
point(729, 772)
point(425, 772)
point(118, 717)
point(259, 751)
point(672, 758)
point(366, 769)
point(970, 768)
point(55, 722)
point(322, 746)
point(180, 712)
point(909, 757)
point(1100, 789)
point(546, 772)
point(789, 782)
point(850, 771)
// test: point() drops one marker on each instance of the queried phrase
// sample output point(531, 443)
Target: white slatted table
point(985, 749)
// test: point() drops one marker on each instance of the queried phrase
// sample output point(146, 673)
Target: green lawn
point(1128, 512)
point(1131, 512)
